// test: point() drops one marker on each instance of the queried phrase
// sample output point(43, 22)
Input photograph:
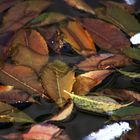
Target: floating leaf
point(95, 105)
point(105, 35)
point(20, 77)
point(127, 113)
point(103, 61)
point(14, 20)
point(81, 5)
point(120, 94)
point(120, 18)
point(47, 18)
point(129, 74)
point(132, 53)
point(9, 113)
point(85, 82)
point(56, 77)
point(78, 38)
point(64, 113)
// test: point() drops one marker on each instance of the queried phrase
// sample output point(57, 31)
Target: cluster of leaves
point(61, 56)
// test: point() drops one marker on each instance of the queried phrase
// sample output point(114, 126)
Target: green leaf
point(127, 113)
point(129, 74)
point(119, 17)
point(9, 113)
point(100, 105)
point(132, 53)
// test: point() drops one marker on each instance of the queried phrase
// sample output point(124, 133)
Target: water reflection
point(130, 2)
point(110, 132)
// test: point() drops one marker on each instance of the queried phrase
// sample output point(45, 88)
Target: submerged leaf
point(85, 82)
point(105, 35)
point(56, 77)
point(81, 5)
point(14, 20)
point(20, 77)
point(95, 105)
point(9, 113)
point(132, 53)
point(78, 38)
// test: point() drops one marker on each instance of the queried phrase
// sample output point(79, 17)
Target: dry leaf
point(85, 82)
point(21, 77)
point(107, 36)
point(21, 13)
point(78, 38)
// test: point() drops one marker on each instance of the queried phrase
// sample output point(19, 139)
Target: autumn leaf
point(56, 77)
point(5, 88)
point(78, 38)
point(85, 82)
point(95, 105)
point(81, 5)
point(21, 77)
point(14, 20)
point(105, 35)
point(9, 113)
point(103, 61)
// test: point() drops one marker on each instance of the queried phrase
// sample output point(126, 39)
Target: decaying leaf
point(9, 113)
point(95, 105)
point(29, 49)
point(85, 82)
point(47, 18)
point(14, 96)
point(132, 53)
point(105, 35)
point(14, 20)
point(129, 74)
point(81, 5)
point(119, 17)
point(20, 77)
point(64, 113)
point(56, 77)
point(78, 38)
point(103, 61)
point(120, 94)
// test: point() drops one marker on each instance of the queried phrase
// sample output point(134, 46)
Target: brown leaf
point(79, 38)
point(81, 5)
point(57, 77)
point(103, 61)
point(107, 36)
point(21, 13)
point(29, 49)
point(20, 77)
point(85, 82)
point(120, 94)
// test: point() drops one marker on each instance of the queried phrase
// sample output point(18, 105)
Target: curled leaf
point(95, 105)
point(107, 36)
point(78, 38)
point(85, 82)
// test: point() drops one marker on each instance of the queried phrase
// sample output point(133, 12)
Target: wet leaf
point(127, 113)
point(103, 61)
point(129, 74)
point(85, 82)
point(4, 88)
point(56, 77)
point(120, 94)
point(9, 113)
point(63, 114)
point(47, 18)
point(14, 20)
point(121, 18)
point(132, 53)
point(20, 77)
point(78, 38)
point(105, 35)
point(81, 5)
point(14, 96)
point(95, 105)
